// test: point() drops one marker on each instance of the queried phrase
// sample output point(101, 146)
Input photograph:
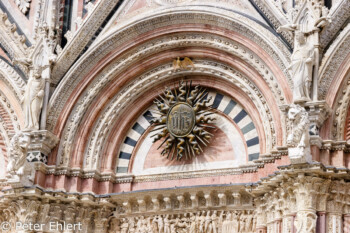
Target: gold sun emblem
point(182, 117)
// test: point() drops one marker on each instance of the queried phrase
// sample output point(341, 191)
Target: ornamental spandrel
point(183, 119)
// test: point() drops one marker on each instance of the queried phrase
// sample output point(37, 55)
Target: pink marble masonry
point(219, 149)
point(110, 91)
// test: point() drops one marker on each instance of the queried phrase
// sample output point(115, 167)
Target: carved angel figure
point(33, 100)
point(18, 166)
point(182, 64)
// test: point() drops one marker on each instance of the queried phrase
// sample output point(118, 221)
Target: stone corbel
point(42, 142)
point(318, 112)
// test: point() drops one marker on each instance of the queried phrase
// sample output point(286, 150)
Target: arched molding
point(12, 79)
point(129, 36)
point(335, 62)
point(141, 85)
point(118, 67)
point(9, 124)
point(231, 115)
point(12, 106)
point(337, 124)
point(334, 85)
point(228, 81)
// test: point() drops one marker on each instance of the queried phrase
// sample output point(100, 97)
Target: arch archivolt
point(243, 30)
point(231, 119)
point(330, 81)
point(11, 109)
point(119, 103)
point(11, 93)
point(341, 106)
point(101, 130)
point(9, 125)
point(334, 84)
point(14, 82)
point(143, 52)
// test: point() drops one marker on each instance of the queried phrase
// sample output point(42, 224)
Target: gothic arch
point(334, 85)
point(81, 116)
point(233, 27)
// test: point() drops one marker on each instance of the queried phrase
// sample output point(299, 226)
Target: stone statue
point(214, 223)
point(166, 224)
point(305, 222)
point(124, 225)
point(307, 20)
point(236, 221)
point(201, 222)
point(33, 100)
point(18, 168)
point(228, 225)
point(132, 225)
point(302, 62)
point(160, 224)
point(193, 226)
point(154, 224)
point(207, 222)
point(298, 140)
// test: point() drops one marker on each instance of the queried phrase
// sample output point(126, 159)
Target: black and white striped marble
point(220, 102)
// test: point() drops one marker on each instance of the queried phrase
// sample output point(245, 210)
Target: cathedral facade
point(175, 116)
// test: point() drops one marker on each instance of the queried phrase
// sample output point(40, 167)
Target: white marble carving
point(302, 63)
point(23, 5)
point(33, 99)
point(298, 141)
point(308, 18)
point(19, 170)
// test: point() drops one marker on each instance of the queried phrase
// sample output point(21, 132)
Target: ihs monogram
point(182, 119)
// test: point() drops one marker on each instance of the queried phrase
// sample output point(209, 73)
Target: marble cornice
point(250, 167)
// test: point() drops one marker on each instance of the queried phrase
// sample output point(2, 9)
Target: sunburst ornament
point(182, 119)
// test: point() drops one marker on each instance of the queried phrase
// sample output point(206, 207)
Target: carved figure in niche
point(18, 168)
point(307, 20)
point(184, 223)
point(249, 222)
point(166, 224)
point(228, 225)
point(132, 225)
point(207, 222)
point(174, 223)
point(201, 222)
point(193, 226)
point(302, 62)
point(214, 223)
point(254, 223)
point(305, 222)
point(149, 228)
point(138, 225)
point(113, 225)
point(242, 223)
point(160, 224)
point(154, 224)
point(33, 100)
point(236, 222)
point(124, 225)
point(299, 138)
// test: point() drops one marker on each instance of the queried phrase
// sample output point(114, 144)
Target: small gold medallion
point(181, 120)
